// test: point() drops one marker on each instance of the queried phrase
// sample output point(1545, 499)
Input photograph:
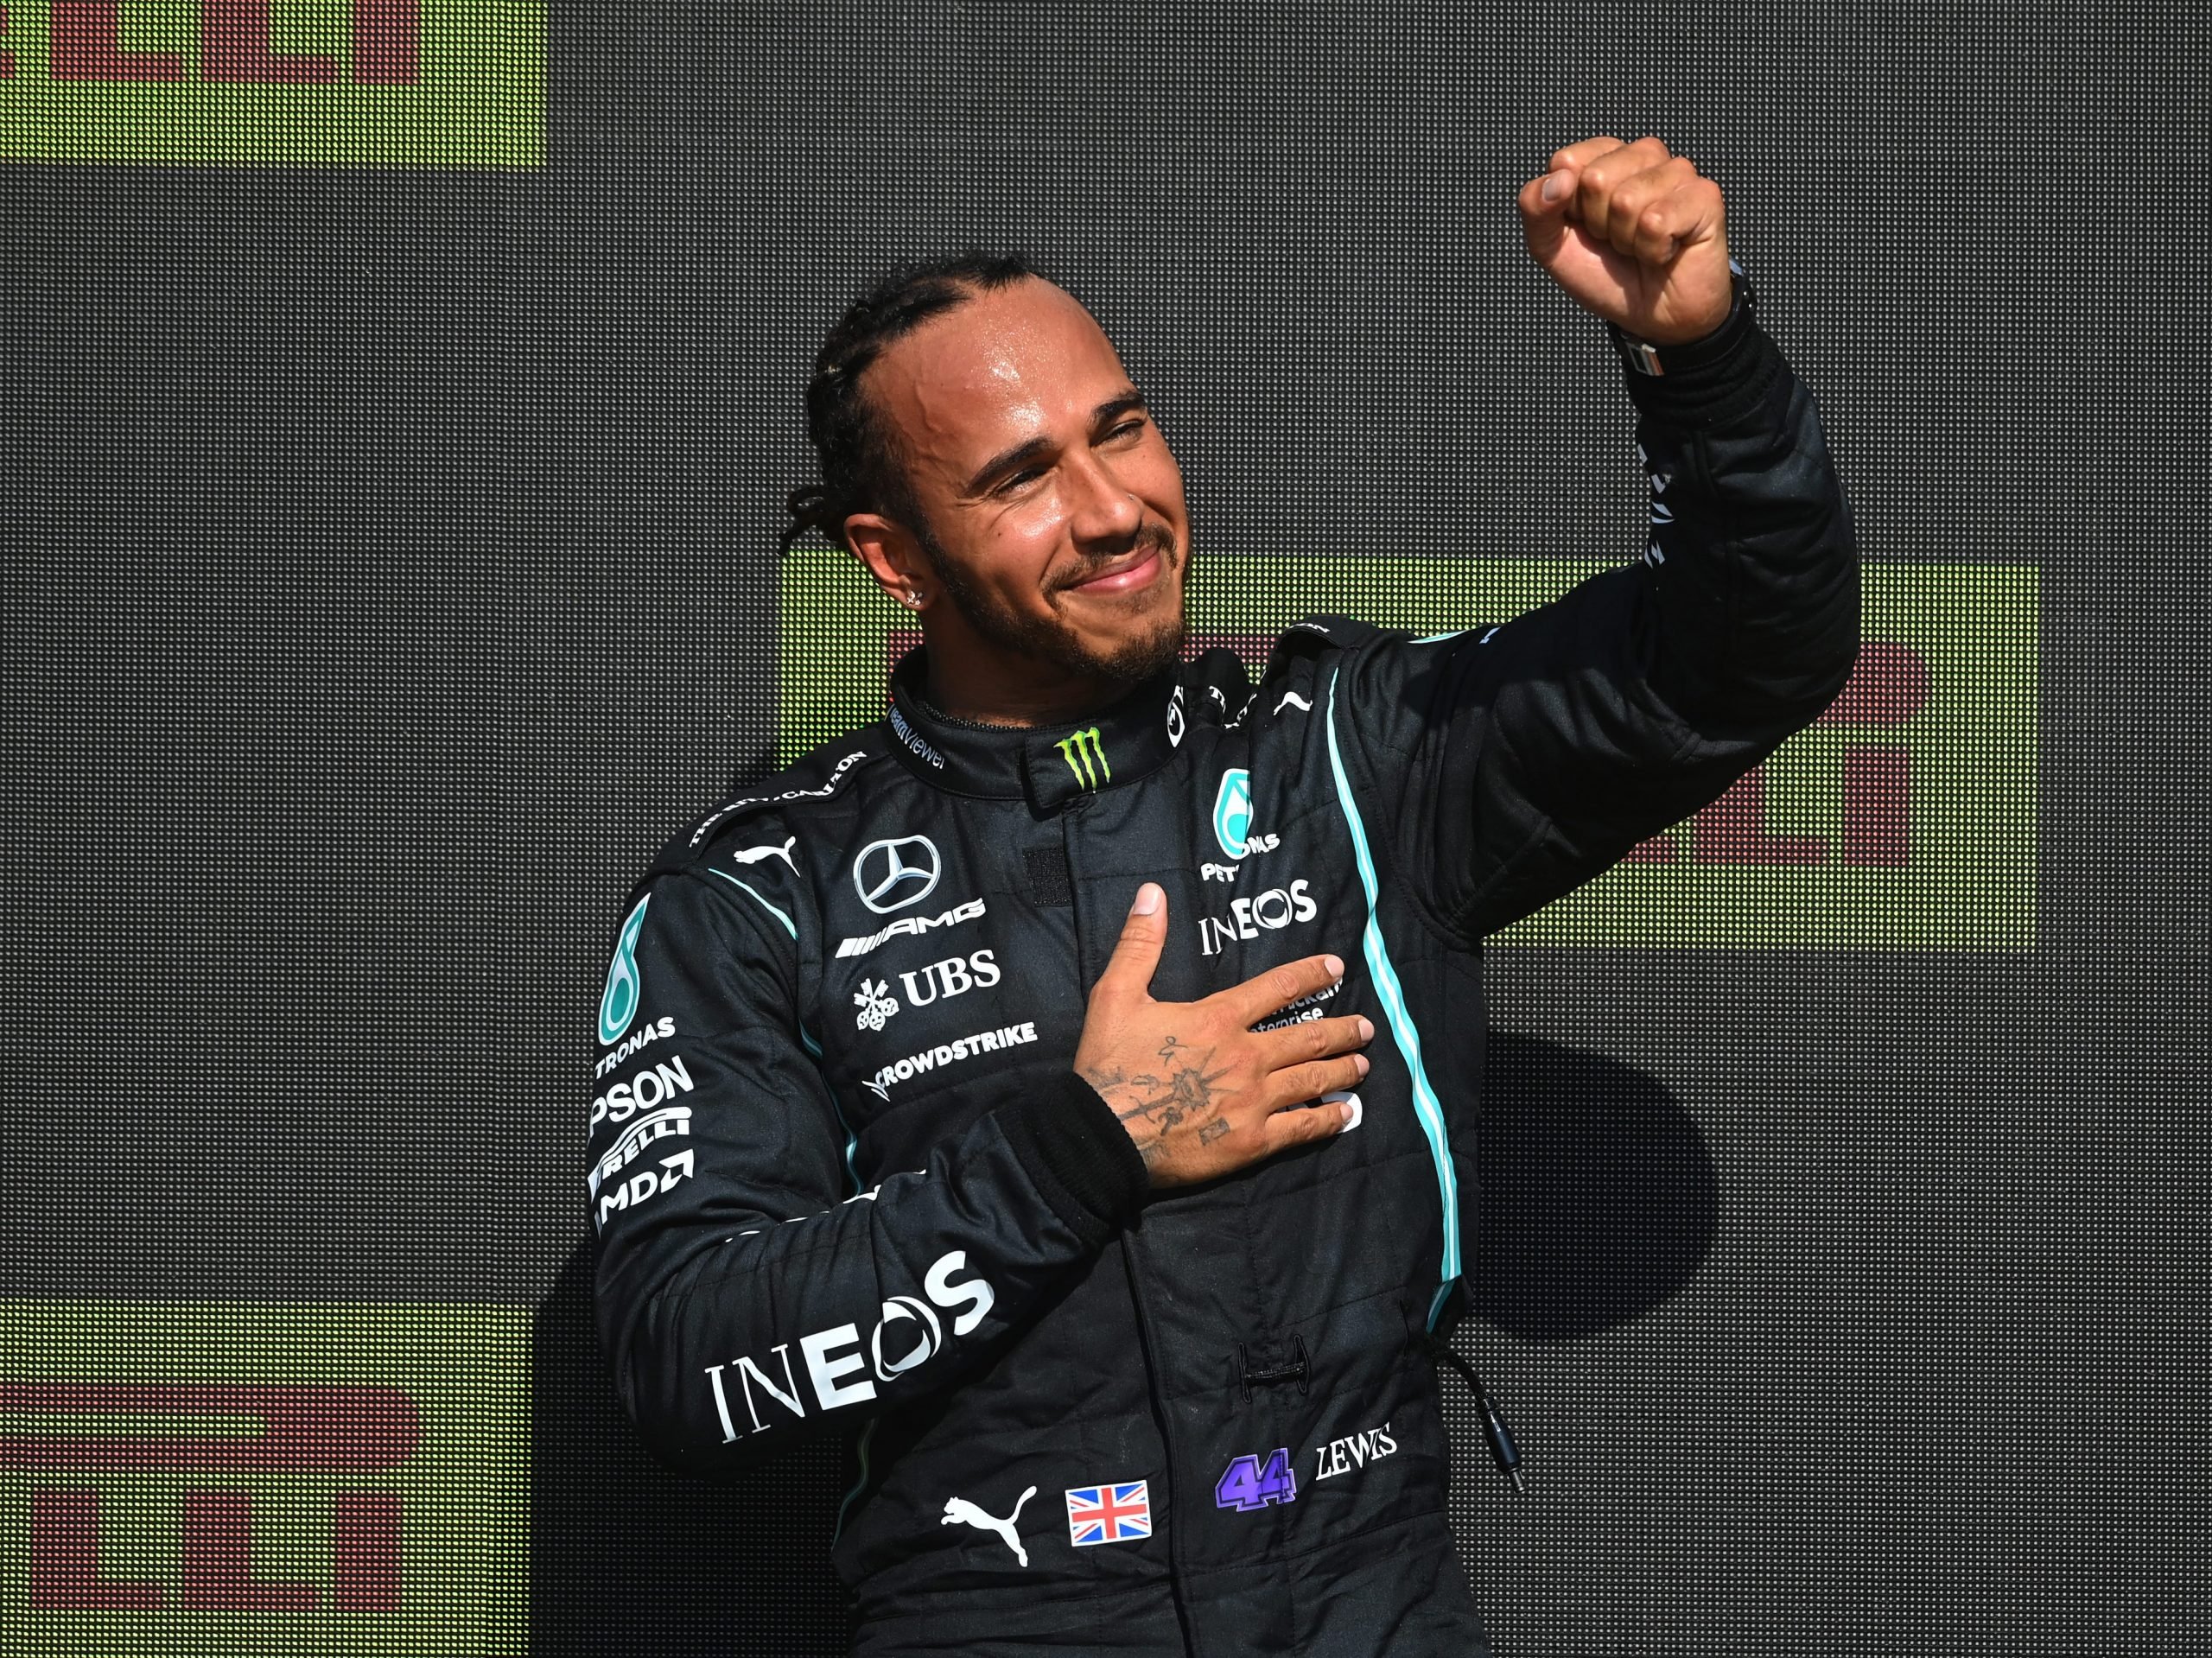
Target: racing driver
point(1070, 1079)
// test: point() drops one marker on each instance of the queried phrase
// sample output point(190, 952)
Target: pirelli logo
point(221, 1479)
point(1903, 819)
point(426, 83)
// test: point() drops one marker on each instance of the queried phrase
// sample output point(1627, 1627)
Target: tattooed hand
point(1200, 1093)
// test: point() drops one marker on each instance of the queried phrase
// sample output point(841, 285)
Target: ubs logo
point(891, 874)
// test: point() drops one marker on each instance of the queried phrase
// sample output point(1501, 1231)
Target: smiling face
point(1053, 538)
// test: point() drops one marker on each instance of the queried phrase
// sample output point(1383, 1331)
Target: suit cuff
point(1082, 1159)
point(1721, 379)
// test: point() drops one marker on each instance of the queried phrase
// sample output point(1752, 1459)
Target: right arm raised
point(738, 1299)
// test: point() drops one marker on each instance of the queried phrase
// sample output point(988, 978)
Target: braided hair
point(860, 468)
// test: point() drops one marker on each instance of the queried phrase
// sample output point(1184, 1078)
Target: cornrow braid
point(860, 468)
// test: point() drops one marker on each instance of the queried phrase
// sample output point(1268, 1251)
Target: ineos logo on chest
point(891, 874)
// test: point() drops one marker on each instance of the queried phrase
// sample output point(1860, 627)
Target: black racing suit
point(841, 1169)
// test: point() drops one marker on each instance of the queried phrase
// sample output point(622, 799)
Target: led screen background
point(390, 553)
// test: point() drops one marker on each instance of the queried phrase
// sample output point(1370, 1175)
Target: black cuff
point(1718, 379)
point(1081, 1158)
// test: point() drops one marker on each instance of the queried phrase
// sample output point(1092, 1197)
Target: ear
point(893, 557)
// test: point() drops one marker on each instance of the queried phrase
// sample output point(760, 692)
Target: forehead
point(1006, 365)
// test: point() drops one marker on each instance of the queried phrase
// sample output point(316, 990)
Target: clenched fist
point(1633, 234)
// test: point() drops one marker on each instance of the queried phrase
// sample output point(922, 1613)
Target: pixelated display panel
point(232, 1479)
point(343, 83)
point(391, 568)
point(1904, 819)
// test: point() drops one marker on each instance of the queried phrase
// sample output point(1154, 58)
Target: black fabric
point(1717, 380)
point(1078, 1154)
point(1048, 876)
point(850, 994)
point(1049, 765)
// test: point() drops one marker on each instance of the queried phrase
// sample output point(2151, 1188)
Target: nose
point(1103, 510)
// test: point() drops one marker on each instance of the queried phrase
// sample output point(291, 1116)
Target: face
point(1052, 518)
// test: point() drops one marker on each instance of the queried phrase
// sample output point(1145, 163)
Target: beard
point(1130, 660)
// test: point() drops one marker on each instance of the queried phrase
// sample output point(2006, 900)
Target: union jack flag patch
point(1108, 1514)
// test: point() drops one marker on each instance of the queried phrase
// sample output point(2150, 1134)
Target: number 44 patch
point(1245, 1484)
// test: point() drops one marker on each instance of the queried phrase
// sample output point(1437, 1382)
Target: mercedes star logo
point(891, 874)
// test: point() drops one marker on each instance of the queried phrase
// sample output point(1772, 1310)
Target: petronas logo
point(1232, 812)
point(618, 1003)
point(1086, 758)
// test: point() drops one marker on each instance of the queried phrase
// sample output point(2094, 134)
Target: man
point(1133, 1011)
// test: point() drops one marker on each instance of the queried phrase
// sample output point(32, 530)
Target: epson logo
point(839, 1363)
point(907, 925)
point(642, 1092)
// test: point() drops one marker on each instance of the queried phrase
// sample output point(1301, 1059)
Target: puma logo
point(959, 1511)
point(1292, 699)
point(759, 854)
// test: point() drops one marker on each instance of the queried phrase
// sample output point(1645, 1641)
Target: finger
point(1640, 215)
point(1315, 1039)
point(1288, 1089)
point(1577, 156)
point(1545, 200)
point(1543, 221)
point(1595, 184)
point(1267, 992)
point(1547, 194)
point(1288, 1128)
point(1688, 214)
point(1136, 953)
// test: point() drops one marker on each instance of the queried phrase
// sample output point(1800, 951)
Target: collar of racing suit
point(1047, 766)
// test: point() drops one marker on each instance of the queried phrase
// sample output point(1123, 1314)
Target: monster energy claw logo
point(618, 1004)
point(1086, 758)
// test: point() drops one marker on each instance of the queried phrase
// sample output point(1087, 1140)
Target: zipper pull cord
point(1502, 1451)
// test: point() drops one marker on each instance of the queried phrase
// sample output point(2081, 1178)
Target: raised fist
point(1633, 234)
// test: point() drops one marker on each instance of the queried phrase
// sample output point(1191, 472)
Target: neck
point(997, 689)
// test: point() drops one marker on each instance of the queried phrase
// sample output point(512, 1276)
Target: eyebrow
point(1008, 461)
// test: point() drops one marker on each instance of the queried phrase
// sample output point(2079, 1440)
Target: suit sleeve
point(742, 1294)
point(1525, 758)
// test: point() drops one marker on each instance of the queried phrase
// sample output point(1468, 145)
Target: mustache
point(1149, 537)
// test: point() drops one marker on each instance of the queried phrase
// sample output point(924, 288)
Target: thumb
point(1128, 971)
point(1543, 202)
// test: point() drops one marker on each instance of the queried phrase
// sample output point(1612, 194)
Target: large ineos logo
point(928, 1337)
point(891, 874)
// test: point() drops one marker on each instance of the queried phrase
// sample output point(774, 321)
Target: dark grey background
point(388, 562)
